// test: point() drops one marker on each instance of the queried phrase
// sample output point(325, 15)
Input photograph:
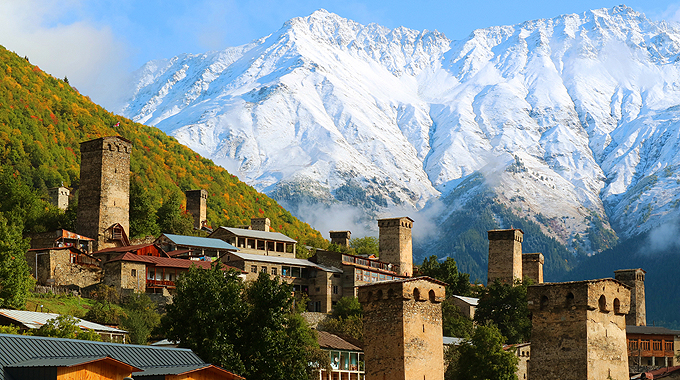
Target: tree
point(15, 278)
point(172, 219)
point(368, 245)
point(143, 218)
point(457, 283)
point(347, 320)
point(140, 317)
point(482, 358)
point(506, 306)
point(65, 326)
point(347, 307)
point(454, 323)
point(262, 338)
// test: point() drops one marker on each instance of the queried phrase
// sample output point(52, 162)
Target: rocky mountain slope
point(570, 122)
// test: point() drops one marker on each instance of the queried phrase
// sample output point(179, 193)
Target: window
point(656, 345)
point(253, 269)
point(150, 274)
point(263, 269)
point(645, 344)
point(335, 289)
point(285, 271)
point(295, 272)
point(74, 258)
point(633, 344)
point(133, 272)
point(669, 346)
point(359, 275)
point(274, 271)
point(260, 245)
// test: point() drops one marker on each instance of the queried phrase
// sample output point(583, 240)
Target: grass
point(59, 304)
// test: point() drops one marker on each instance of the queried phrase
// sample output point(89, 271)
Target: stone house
point(523, 353)
point(61, 238)
point(347, 359)
point(466, 305)
point(257, 239)
point(63, 266)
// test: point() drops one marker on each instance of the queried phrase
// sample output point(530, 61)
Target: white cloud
point(90, 55)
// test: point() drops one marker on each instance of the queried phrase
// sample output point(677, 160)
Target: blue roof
point(201, 242)
point(16, 349)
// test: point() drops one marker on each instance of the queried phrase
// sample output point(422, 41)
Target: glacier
point(569, 120)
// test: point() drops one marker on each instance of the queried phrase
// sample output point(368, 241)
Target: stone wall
point(55, 269)
point(505, 255)
point(532, 267)
point(635, 278)
point(403, 329)
point(125, 275)
point(395, 243)
point(579, 330)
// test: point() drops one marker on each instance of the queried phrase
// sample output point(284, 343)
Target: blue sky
point(97, 43)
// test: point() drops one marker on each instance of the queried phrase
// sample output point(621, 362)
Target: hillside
point(43, 120)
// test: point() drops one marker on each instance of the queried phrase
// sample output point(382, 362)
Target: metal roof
point(20, 348)
point(70, 362)
point(650, 330)
point(263, 235)
point(452, 341)
point(468, 300)
point(278, 260)
point(34, 319)
point(174, 370)
point(201, 242)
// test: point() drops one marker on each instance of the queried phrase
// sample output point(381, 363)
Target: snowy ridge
point(574, 118)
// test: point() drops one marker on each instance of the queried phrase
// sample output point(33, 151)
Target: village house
point(29, 320)
point(257, 239)
point(148, 249)
point(194, 247)
point(63, 266)
point(61, 238)
point(347, 359)
point(32, 357)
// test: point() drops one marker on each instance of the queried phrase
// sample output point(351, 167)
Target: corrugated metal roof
point(277, 260)
point(452, 341)
point(264, 235)
point(202, 242)
point(175, 370)
point(468, 300)
point(34, 319)
point(20, 348)
point(651, 330)
point(71, 361)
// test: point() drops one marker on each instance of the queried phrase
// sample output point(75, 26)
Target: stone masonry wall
point(532, 267)
point(635, 278)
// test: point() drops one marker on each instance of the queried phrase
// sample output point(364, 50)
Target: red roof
point(127, 248)
point(165, 261)
point(660, 373)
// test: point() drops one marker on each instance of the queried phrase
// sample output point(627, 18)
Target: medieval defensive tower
point(403, 329)
point(635, 278)
point(395, 244)
point(59, 196)
point(341, 238)
point(104, 193)
point(532, 266)
point(260, 224)
point(197, 202)
point(579, 330)
point(505, 255)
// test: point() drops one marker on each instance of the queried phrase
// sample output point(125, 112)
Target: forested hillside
point(43, 120)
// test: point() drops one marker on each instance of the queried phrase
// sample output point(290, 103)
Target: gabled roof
point(72, 361)
point(166, 262)
point(183, 370)
point(468, 300)
point(333, 342)
point(127, 248)
point(35, 319)
point(16, 349)
point(278, 260)
point(200, 242)
point(255, 234)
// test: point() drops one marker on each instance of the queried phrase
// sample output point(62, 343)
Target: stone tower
point(197, 201)
point(505, 255)
point(532, 266)
point(635, 278)
point(579, 330)
point(403, 329)
point(104, 193)
point(260, 224)
point(59, 196)
point(341, 238)
point(395, 244)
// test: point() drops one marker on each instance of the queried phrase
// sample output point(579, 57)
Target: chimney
point(340, 238)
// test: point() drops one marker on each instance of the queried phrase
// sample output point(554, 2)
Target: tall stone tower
point(197, 203)
point(260, 224)
point(59, 196)
point(403, 329)
point(341, 238)
point(578, 330)
point(104, 193)
point(505, 255)
point(635, 278)
point(532, 266)
point(395, 244)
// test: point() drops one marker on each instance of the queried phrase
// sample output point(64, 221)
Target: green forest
point(43, 120)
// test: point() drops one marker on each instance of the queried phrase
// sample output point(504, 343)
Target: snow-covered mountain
point(572, 121)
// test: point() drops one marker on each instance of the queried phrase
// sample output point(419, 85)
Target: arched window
point(544, 302)
point(603, 304)
point(617, 306)
point(569, 302)
point(433, 298)
point(416, 294)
